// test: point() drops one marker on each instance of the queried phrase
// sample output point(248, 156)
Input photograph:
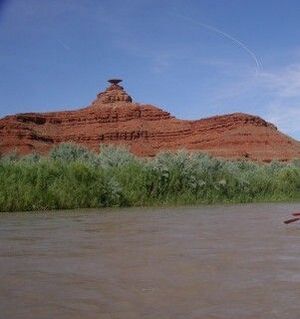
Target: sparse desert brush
point(75, 177)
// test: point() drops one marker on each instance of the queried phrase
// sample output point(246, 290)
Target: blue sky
point(194, 58)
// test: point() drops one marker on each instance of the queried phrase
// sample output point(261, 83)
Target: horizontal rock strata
point(113, 118)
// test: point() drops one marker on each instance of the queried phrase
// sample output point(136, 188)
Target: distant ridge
point(113, 118)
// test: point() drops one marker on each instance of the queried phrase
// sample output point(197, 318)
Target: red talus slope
point(146, 130)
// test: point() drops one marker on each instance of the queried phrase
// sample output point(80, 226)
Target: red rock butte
point(113, 118)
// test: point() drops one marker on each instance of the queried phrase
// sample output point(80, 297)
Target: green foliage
point(9, 158)
point(113, 156)
point(74, 177)
point(70, 152)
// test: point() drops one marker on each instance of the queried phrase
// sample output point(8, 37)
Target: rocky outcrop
point(114, 118)
point(114, 93)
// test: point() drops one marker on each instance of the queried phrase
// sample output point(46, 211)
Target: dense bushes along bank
point(73, 177)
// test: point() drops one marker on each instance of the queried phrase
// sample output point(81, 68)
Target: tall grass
point(74, 177)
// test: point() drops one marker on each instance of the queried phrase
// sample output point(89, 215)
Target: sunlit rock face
point(113, 118)
point(113, 94)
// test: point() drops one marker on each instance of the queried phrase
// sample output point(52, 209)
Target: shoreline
point(112, 210)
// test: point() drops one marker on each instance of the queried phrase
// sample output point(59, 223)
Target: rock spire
point(113, 94)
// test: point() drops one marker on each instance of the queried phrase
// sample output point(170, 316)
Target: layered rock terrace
point(113, 118)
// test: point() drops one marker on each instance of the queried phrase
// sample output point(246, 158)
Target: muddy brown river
point(215, 262)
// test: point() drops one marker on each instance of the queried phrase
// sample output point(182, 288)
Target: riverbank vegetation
point(74, 177)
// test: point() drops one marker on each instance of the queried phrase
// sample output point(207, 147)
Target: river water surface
point(233, 262)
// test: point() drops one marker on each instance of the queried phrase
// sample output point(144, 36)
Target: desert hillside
point(114, 118)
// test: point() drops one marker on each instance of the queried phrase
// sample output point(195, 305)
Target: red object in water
point(296, 214)
point(291, 220)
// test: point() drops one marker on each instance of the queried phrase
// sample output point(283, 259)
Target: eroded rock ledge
point(113, 117)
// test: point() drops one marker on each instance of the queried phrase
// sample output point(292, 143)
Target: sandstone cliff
point(114, 118)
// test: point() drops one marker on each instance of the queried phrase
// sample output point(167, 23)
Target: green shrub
point(70, 152)
point(74, 177)
point(114, 156)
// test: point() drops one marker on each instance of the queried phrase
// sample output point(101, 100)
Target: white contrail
point(66, 47)
point(228, 36)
